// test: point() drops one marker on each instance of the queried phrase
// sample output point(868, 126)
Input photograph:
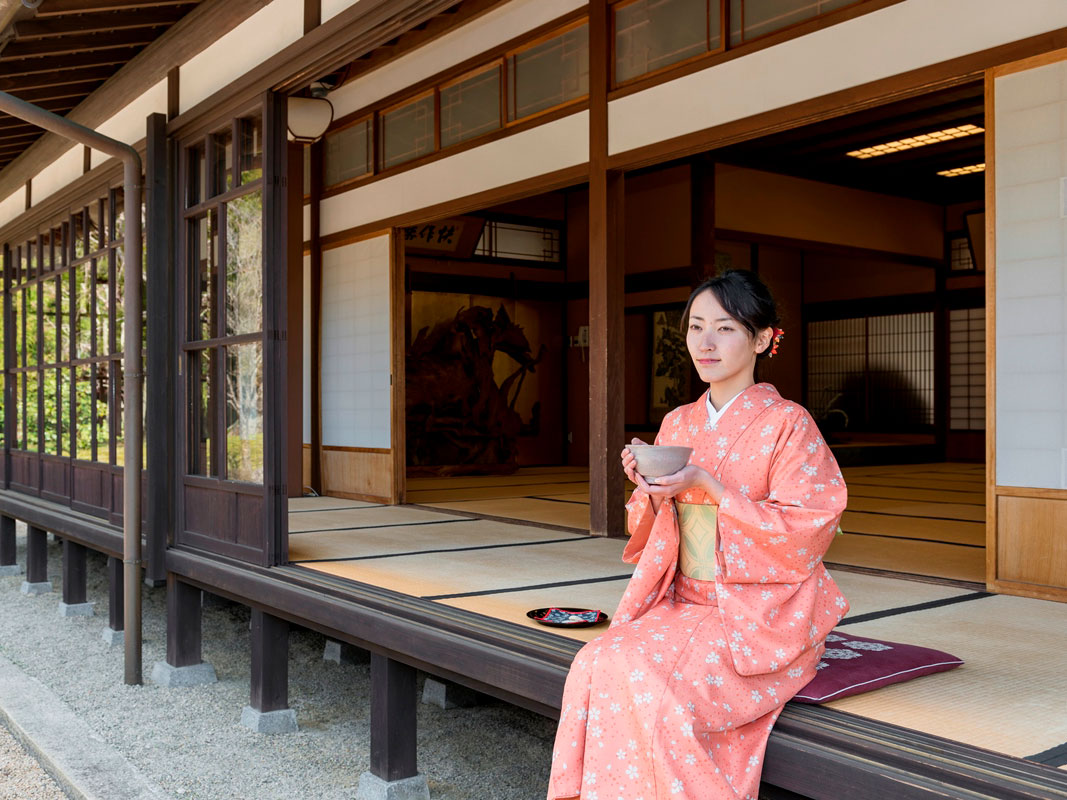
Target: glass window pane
point(18, 441)
point(470, 107)
point(549, 74)
point(115, 397)
point(244, 412)
point(100, 410)
point(765, 16)
point(97, 227)
point(201, 416)
point(203, 267)
point(101, 298)
point(51, 412)
point(307, 169)
point(346, 155)
point(407, 132)
point(50, 326)
point(32, 414)
point(244, 264)
point(78, 234)
point(17, 300)
point(31, 311)
point(83, 413)
point(118, 279)
point(251, 149)
point(222, 166)
point(82, 302)
point(652, 34)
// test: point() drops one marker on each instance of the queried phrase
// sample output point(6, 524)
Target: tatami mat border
point(910, 538)
point(339, 508)
point(892, 612)
point(497, 518)
point(439, 549)
point(391, 525)
point(533, 587)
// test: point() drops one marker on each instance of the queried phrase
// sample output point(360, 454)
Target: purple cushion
point(855, 664)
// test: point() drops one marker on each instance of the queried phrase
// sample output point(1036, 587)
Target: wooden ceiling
point(818, 151)
point(58, 54)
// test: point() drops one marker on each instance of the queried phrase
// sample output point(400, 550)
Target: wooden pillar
point(294, 430)
point(74, 573)
point(161, 354)
point(606, 296)
point(702, 217)
point(316, 318)
point(115, 619)
point(183, 623)
point(36, 555)
point(7, 542)
point(392, 719)
point(270, 662)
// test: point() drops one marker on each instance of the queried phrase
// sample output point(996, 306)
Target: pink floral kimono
point(677, 698)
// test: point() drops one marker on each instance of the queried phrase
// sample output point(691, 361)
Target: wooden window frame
point(380, 132)
point(508, 89)
point(369, 119)
point(500, 63)
point(724, 36)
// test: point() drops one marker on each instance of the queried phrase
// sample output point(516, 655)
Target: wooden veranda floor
point(920, 519)
point(1008, 697)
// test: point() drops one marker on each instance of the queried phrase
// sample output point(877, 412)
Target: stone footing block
point(371, 787)
point(10, 569)
point(164, 674)
point(344, 653)
point(76, 609)
point(113, 637)
point(448, 695)
point(44, 587)
point(281, 721)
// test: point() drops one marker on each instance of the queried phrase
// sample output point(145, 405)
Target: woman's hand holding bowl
point(688, 477)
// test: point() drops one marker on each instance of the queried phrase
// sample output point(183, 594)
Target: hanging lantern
point(309, 117)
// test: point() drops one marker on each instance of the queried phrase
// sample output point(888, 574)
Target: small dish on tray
point(567, 617)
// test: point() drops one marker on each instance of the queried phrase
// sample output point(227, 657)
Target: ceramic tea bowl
point(654, 461)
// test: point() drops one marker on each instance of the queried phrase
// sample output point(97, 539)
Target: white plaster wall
point(268, 31)
point(306, 319)
point(68, 167)
point(129, 124)
point(356, 361)
point(901, 37)
point(12, 206)
point(331, 8)
point(546, 148)
point(487, 31)
point(306, 216)
point(1031, 277)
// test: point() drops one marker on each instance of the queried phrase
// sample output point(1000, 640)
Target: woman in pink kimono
point(728, 609)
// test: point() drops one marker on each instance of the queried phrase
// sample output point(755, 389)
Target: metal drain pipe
point(132, 370)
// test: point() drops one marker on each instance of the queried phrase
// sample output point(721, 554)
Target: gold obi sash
point(697, 540)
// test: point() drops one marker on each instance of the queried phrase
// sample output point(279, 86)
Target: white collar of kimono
point(713, 415)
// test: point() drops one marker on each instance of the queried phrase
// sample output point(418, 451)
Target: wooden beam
point(312, 14)
point(104, 23)
point(7, 541)
point(316, 317)
point(56, 8)
point(74, 573)
point(115, 594)
point(183, 40)
point(36, 554)
point(392, 719)
point(53, 78)
point(183, 623)
point(606, 299)
point(29, 66)
point(44, 94)
point(294, 426)
point(270, 662)
point(66, 45)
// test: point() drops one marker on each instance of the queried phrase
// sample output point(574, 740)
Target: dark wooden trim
point(392, 719)
point(115, 594)
point(161, 353)
point(74, 573)
point(550, 181)
point(870, 306)
point(270, 662)
point(398, 346)
point(183, 623)
point(7, 361)
point(183, 40)
point(340, 448)
point(29, 194)
point(312, 15)
point(923, 80)
point(439, 154)
point(36, 554)
point(275, 326)
point(728, 53)
point(87, 159)
point(702, 232)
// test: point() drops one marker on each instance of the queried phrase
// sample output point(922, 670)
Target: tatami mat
point(362, 517)
point(914, 508)
point(547, 512)
point(303, 504)
point(939, 530)
point(1010, 696)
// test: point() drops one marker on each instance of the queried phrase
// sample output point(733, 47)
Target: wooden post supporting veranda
point(606, 296)
point(132, 370)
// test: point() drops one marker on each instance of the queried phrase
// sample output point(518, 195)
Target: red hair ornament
point(778, 334)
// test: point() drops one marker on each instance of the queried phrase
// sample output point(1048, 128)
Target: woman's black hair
point(744, 297)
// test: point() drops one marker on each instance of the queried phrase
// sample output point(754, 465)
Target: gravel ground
point(190, 741)
point(21, 777)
